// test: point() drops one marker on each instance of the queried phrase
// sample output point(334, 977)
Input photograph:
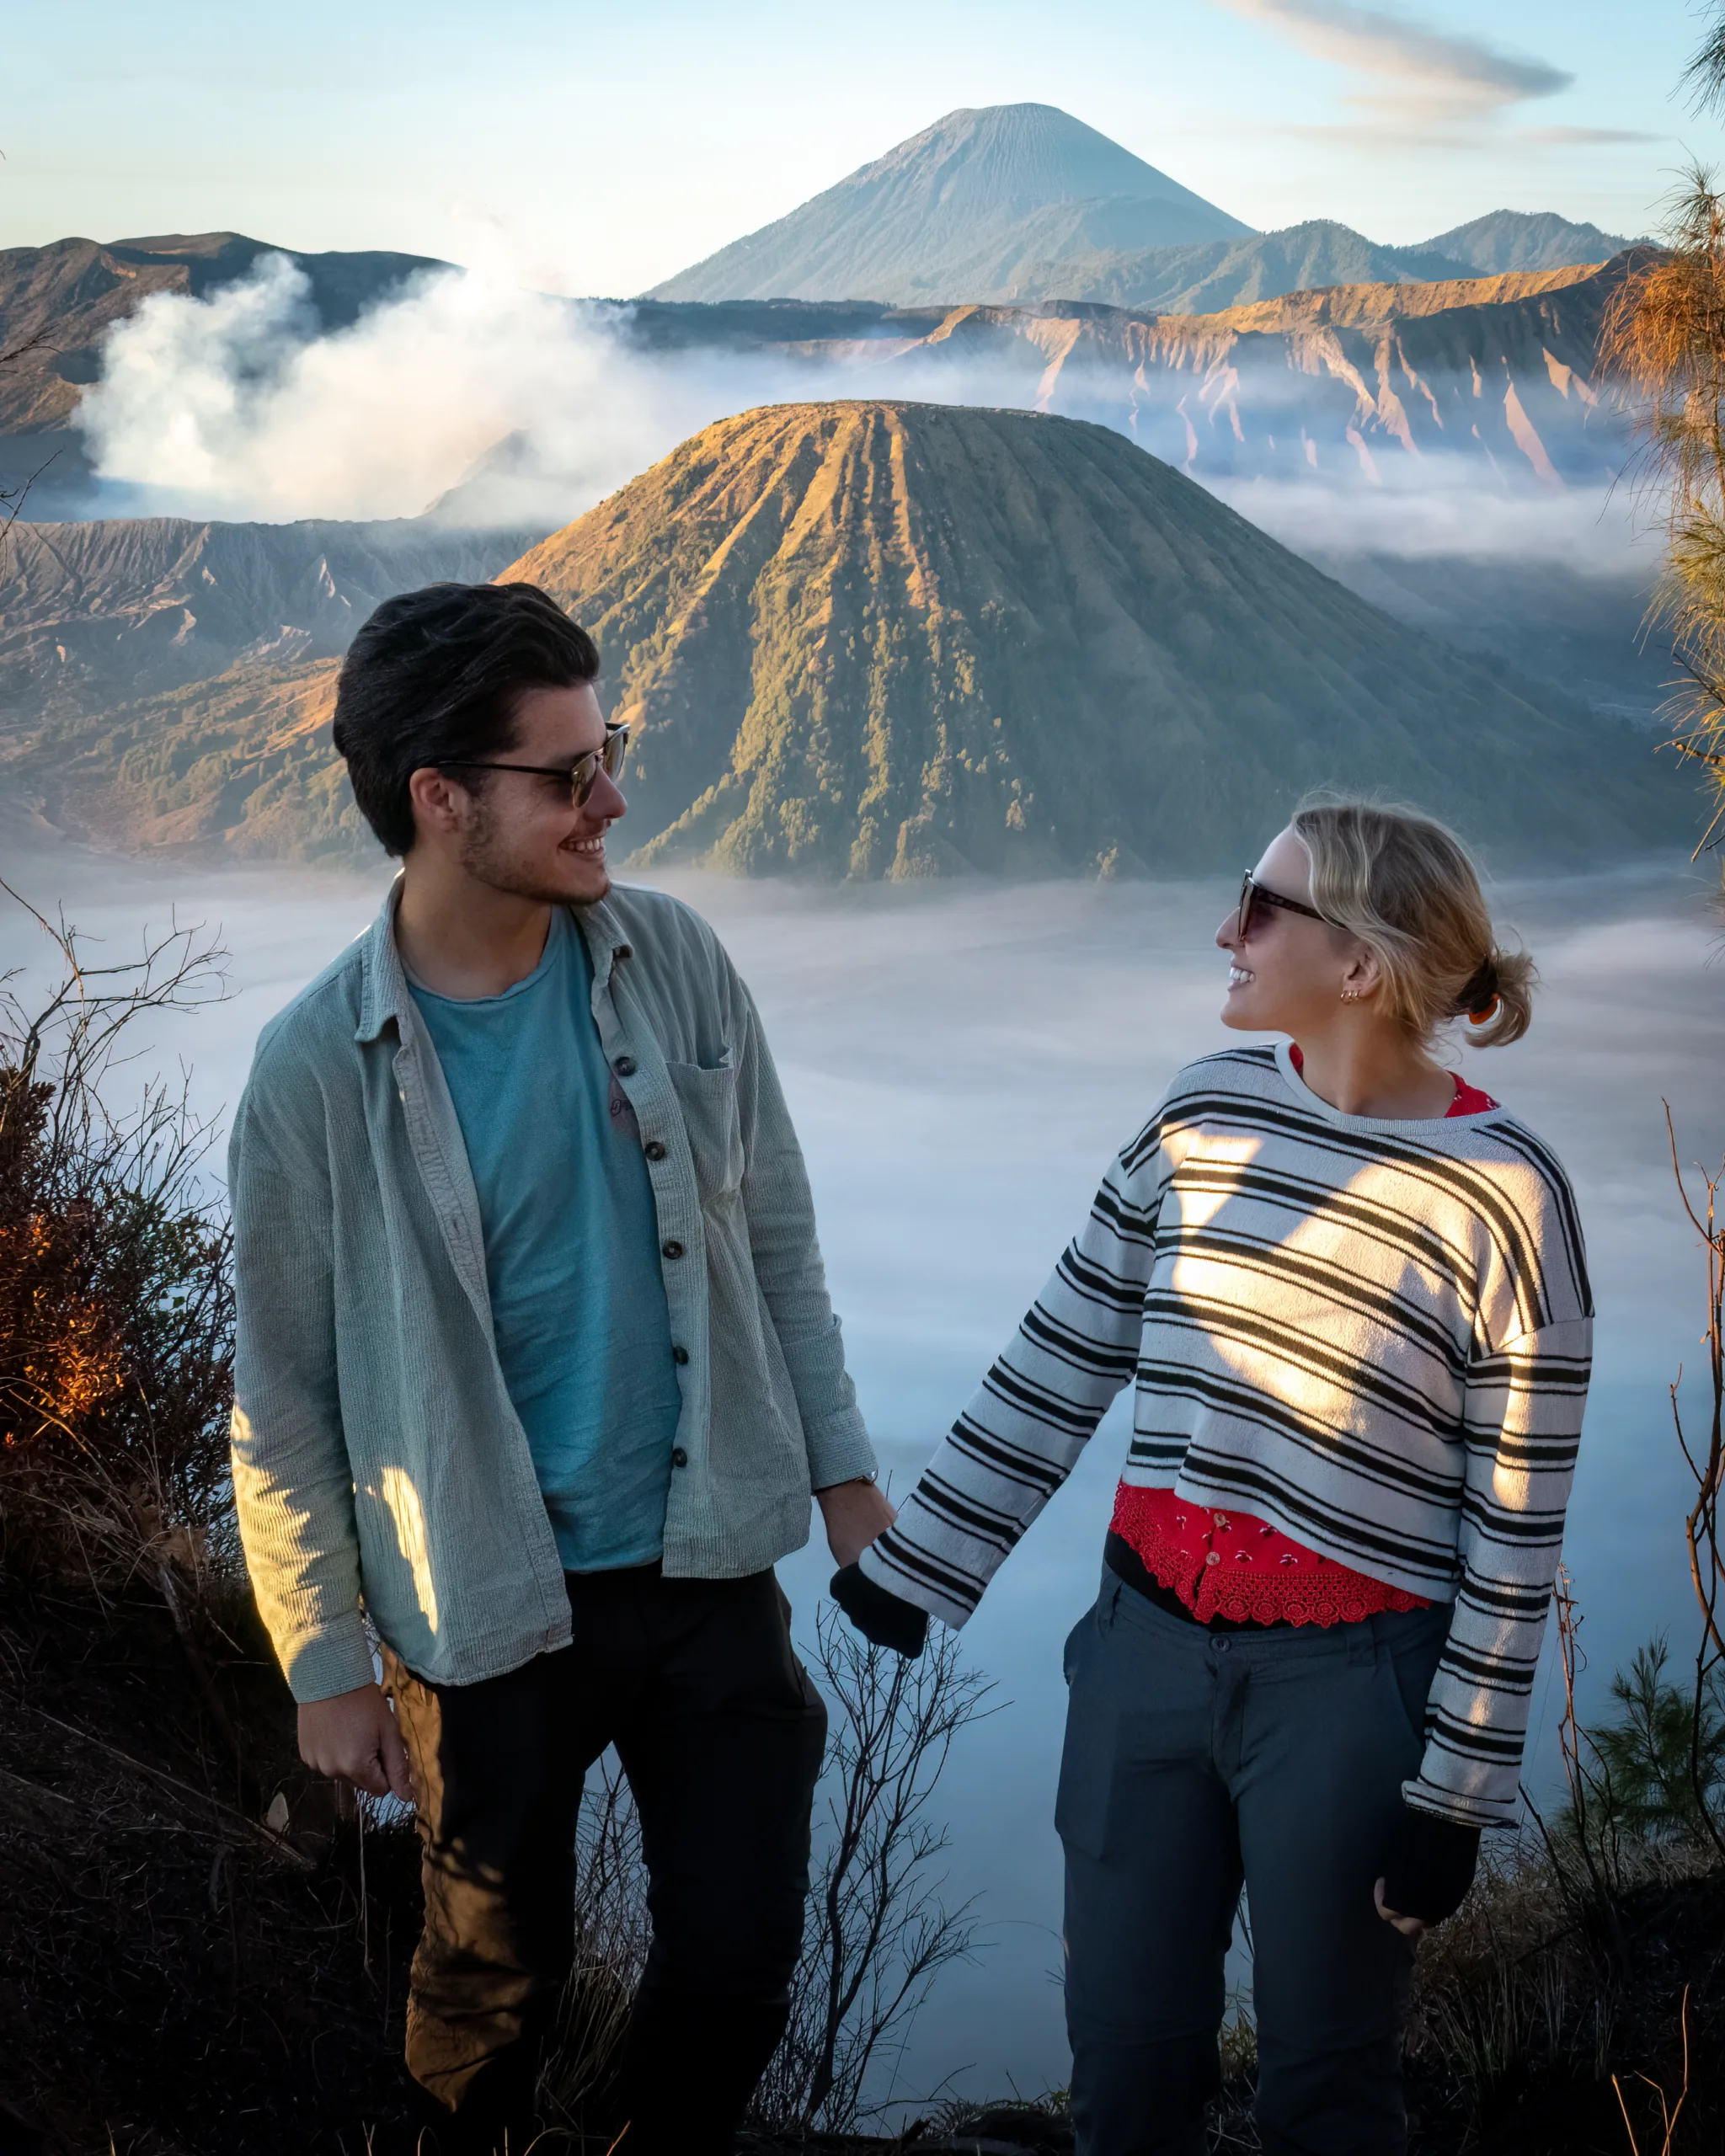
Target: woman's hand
point(1431, 1868)
point(886, 1618)
point(1409, 1927)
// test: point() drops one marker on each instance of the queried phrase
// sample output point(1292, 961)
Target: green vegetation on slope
point(243, 761)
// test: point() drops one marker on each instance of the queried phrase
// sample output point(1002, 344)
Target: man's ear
point(440, 805)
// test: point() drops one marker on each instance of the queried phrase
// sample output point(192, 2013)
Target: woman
point(1351, 1292)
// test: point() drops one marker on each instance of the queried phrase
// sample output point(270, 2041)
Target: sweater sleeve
point(1036, 1410)
point(1522, 1424)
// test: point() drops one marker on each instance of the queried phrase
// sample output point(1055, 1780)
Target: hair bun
point(1479, 998)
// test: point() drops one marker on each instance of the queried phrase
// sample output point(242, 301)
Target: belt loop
point(1365, 1642)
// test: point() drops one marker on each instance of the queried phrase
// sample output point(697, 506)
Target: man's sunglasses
point(1253, 895)
point(580, 777)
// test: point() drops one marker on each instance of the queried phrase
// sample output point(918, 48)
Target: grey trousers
point(1195, 1761)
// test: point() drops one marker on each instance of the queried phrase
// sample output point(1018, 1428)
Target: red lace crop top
point(1235, 1565)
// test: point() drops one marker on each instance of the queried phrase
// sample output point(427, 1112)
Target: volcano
point(882, 639)
point(952, 212)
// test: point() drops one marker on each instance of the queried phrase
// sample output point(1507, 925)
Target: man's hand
point(352, 1738)
point(855, 1513)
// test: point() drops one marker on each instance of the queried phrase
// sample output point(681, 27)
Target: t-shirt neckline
point(555, 937)
point(1451, 1117)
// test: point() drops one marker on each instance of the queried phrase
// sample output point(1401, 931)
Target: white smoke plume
point(236, 406)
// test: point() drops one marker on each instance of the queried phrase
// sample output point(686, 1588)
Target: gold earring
point(1350, 996)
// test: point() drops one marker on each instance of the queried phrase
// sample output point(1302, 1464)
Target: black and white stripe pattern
point(1374, 1335)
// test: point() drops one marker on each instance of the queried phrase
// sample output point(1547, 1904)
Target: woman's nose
point(1228, 935)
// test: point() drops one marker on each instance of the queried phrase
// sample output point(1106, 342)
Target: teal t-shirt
point(571, 1251)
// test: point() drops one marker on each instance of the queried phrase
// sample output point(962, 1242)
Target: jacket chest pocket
point(708, 1100)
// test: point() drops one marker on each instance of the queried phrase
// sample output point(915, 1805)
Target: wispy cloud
point(1410, 76)
point(1590, 134)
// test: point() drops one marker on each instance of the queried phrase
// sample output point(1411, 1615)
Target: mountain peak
point(949, 212)
point(1517, 239)
point(1028, 155)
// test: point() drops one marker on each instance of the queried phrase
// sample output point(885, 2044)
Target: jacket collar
point(383, 980)
point(384, 997)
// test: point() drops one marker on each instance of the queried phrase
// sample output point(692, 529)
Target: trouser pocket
point(1087, 1749)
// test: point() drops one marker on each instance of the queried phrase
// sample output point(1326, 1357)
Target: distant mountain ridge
point(1506, 240)
point(1012, 204)
point(1002, 205)
point(1357, 384)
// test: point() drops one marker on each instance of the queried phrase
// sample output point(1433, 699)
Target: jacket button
point(654, 1149)
point(679, 1458)
point(624, 951)
point(1213, 1558)
point(626, 1067)
point(672, 1249)
point(679, 1355)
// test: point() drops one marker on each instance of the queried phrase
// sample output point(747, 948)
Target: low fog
point(961, 1063)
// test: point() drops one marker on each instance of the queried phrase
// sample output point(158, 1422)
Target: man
point(536, 1372)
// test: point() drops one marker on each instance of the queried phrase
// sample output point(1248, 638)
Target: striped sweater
point(1374, 1335)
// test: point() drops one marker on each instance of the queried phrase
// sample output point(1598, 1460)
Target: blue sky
point(596, 149)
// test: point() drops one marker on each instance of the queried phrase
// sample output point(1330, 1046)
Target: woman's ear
point(1364, 976)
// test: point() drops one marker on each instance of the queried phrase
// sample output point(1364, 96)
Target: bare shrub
point(879, 1932)
point(115, 1303)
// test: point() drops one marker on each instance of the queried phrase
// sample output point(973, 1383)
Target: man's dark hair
point(432, 677)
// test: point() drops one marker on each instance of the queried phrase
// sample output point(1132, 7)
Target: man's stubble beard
point(487, 856)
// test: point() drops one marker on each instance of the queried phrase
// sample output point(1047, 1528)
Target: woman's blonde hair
point(1404, 885)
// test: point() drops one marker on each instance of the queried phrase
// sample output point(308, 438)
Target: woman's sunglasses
point(1253, 895)
point(581, 776)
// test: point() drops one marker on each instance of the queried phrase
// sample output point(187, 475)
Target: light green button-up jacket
point(379, 1468)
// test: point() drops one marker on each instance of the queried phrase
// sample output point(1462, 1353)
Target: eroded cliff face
point(1499, 372)
point(103, 611)
point(876, 639)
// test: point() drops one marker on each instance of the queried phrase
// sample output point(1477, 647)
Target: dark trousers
point(720, 1733)
point(1194, 1761)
